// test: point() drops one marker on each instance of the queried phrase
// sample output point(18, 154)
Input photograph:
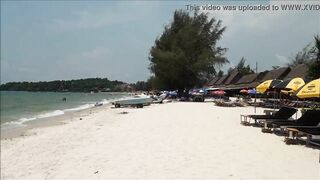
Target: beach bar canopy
point(310, 90)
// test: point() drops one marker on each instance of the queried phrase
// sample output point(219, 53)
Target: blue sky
point(79, 39)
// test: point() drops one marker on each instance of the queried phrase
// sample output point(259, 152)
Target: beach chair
point(309, 118)
point(283, 113)
point(295, 132)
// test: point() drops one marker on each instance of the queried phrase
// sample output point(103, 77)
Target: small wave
point(12, 124)
point(82, 107)
point(104, 101)
point(20, 122)
point(50, 114)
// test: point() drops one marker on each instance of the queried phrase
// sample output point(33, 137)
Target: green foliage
point(314, 65)
point(314, 70)
point(241, 68)
point(303, 57)
point(186, 54)
point(308, 54)
point(81, 85)
point(220, 73)
point(141, 86)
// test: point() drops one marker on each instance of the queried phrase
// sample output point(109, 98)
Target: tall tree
point(304, 56)
point(314, 65)
point(186, 54)
point(242, 68)
point(220, 73)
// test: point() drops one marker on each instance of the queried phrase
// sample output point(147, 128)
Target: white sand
point(169, 141)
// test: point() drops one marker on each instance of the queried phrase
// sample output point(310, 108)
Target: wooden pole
point(255, 95)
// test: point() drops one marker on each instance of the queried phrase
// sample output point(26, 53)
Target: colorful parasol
point(310, 90)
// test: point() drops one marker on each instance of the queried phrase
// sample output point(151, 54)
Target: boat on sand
point(136, 101)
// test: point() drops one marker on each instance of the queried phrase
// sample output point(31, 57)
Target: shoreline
point(68, 117)
point(179, 140)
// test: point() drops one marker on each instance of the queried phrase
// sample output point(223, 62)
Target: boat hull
point(141, 101)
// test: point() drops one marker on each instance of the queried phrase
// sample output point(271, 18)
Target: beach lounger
point(295, 132)
point(309, 118)
point(283, 113)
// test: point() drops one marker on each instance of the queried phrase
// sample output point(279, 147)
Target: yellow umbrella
point(310, 90)
point(290, 85)
point(263, 87)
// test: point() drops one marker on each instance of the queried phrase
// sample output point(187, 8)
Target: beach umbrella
point(290, 85)
point(244, 91)
point(211, 89)
point(252, 91)
point(263, 87)
point(197, 91)
point(218, 92)
point(202, 91)
point(310, 90)
point(172, 93)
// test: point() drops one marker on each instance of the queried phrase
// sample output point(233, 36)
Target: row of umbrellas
point(295, 86)
point(249, 91)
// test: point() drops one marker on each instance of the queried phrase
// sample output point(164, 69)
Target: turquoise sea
point(18, 107)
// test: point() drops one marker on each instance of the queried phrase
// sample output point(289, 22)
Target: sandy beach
point(165, 141)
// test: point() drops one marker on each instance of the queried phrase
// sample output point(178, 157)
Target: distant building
point(279, 73)
point(246, 81)
point(213, 80)
point(298, 71)
point(233, 77)
point(234, 81)
point(221, 80)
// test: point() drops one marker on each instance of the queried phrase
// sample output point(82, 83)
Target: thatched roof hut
point(298, 71)
point(279, 73)
point(233, 77)
point(221, 80)
point(213, 80)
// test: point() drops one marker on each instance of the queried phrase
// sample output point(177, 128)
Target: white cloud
point(258, 21)
point(283, 60)
point(267, 37)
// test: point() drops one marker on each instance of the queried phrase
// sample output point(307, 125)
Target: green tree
point(186, 54)
point(305, 56)
point(314, 65)
point(242, 68)
point(220, 73)
point(80, 85)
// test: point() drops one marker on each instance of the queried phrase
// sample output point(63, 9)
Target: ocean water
point(18, 107)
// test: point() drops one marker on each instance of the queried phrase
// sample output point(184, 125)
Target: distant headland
point(78, 85)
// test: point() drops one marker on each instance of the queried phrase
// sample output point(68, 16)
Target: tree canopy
point(314, 65)
point(80, 85)
point(303, 57)
point(309, 55)
point(242, 68)
point(186, 54)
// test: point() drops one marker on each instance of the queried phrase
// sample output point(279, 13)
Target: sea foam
point(21, 122)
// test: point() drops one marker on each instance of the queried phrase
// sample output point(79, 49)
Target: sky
point(63, 40)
